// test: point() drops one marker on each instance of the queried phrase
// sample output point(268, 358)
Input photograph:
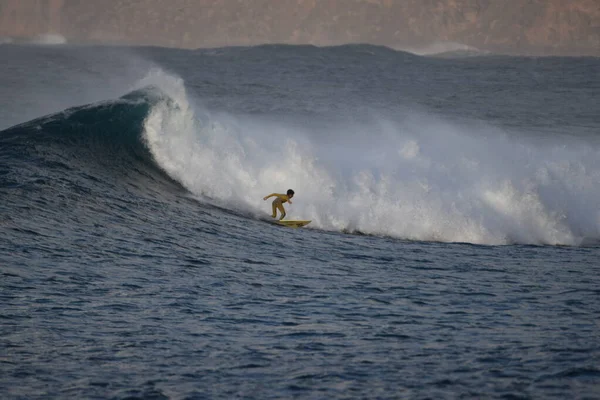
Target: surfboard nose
point(293, 224)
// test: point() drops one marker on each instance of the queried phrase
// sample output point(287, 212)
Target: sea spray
point(413, 176)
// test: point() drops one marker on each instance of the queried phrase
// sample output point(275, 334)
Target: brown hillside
point(509, 26)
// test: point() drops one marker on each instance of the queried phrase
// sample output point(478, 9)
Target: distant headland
point(517, 27)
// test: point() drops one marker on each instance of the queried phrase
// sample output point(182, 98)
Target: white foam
point(416, 178)
point(441, 48)
point(49, 39)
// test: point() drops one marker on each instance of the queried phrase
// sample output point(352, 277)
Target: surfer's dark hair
point(290, 192)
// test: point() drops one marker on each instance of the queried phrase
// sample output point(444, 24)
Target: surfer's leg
point(274, 210)
point(281, 210)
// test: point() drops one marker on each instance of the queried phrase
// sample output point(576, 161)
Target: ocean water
point(453, 250)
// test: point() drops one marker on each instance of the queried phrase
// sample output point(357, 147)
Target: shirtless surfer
point(278, 202)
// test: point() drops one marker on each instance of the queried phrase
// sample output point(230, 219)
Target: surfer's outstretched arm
point(271, 195)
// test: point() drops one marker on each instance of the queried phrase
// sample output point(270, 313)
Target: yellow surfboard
point(292, 224)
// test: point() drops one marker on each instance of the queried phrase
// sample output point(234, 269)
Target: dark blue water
point(453, 249)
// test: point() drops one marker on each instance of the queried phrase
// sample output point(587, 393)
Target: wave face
point(94, 152)
point(408, 174)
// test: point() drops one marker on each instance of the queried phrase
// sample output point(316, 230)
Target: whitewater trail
point(421, 178)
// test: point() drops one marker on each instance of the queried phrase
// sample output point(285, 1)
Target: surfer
point(278, 202)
